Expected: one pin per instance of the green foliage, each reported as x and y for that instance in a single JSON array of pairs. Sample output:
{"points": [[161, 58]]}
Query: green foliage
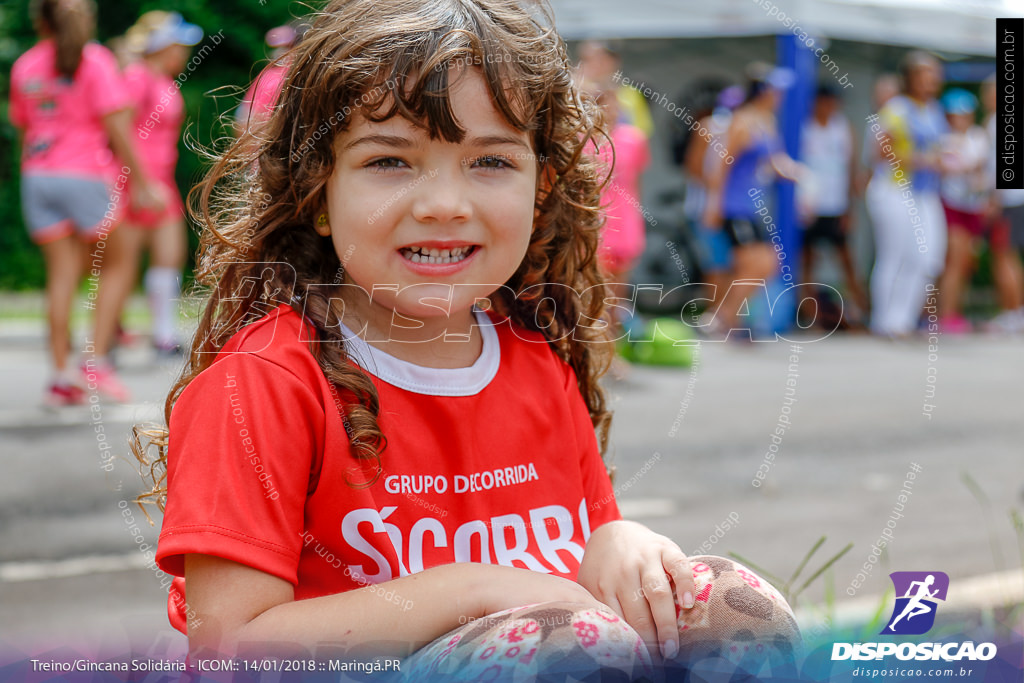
{"points": [[788, 588], [234, 63]]}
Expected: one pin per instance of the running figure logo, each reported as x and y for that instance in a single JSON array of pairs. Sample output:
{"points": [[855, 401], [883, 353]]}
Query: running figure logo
{"points": [[914, 612]]}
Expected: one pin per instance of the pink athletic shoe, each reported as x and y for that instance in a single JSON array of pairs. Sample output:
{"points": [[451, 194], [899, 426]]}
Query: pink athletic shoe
{"points": [[61, 395], [102, 379], [955, 324]]}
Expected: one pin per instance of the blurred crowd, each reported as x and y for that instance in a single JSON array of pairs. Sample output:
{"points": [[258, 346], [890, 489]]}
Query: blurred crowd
{"points": [[100, 130], [924, 165]]}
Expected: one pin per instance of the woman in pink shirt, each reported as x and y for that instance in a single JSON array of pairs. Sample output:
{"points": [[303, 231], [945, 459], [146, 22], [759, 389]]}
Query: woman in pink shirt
{"points": [[262, 95], [163, 40], [623, 236], [69, 103]]}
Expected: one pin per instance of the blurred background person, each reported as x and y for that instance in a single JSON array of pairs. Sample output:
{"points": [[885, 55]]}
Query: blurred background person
{"points": [[699, 160], [624, 233], [1007, 270], [903, 199], [754, 142], [966, 197], [887, 86], [162, 40], [261, 97], [599, 64], [827, 149], [71, 107]]}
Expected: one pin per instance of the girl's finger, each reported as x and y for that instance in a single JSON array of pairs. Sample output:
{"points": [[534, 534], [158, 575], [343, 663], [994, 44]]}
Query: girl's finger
{"points": [[658, 592], [613, 602], [637, 613], [678, 567]]}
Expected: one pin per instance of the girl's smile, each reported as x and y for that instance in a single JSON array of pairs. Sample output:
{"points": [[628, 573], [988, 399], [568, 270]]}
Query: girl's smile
{"points": [[438, 258]]}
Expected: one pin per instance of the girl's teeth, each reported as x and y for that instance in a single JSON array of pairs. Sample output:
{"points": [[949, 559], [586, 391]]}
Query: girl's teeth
{"points": [[423, 255]]}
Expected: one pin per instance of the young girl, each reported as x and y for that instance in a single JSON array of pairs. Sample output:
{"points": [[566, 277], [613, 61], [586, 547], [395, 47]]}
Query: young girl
{"points": [[162, 40], [405, 444]]}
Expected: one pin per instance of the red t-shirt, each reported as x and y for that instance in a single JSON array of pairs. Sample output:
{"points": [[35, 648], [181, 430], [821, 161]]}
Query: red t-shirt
{"points": [[494, 463]]}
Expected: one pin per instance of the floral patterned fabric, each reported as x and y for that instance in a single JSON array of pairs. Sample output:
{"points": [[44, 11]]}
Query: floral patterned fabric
{"points": [[739, 621]]}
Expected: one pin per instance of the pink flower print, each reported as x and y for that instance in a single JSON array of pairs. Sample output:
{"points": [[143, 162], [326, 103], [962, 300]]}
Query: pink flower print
{"points": [[749, 578], [587, 633]]}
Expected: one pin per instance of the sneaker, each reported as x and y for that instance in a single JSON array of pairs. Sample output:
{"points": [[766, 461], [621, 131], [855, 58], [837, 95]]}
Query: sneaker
{"points": [[171, 349], [1007, 322], [61, 395], [709, 327], [124, 338], [103, 380], [954, 324]]}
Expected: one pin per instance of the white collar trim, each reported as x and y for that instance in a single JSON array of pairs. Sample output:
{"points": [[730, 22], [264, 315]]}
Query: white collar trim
{"points": [[467, 381]]}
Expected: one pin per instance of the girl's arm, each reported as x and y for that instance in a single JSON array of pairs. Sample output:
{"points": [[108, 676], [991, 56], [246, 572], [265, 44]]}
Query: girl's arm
{"points": [[787, 167], [118, 126], [240, 609], [694, 161]]}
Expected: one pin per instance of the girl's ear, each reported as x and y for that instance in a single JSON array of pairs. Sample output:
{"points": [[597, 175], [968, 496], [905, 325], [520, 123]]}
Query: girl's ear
{"points": [[323, 225]]}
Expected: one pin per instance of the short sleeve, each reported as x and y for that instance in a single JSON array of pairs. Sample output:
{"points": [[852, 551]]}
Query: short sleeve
{"points": [[597, 486], [18, 108], [244, 436], [107, 88]]}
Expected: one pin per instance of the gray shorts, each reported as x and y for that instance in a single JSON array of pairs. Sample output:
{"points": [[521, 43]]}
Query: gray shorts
{"points": [[59, 206]]}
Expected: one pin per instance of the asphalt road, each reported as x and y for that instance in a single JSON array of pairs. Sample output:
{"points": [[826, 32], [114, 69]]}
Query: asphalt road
{"points": [[687, 446]]}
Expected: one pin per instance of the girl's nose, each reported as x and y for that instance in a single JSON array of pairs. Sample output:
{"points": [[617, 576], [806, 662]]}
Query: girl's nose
{"points": [[441, 197]]}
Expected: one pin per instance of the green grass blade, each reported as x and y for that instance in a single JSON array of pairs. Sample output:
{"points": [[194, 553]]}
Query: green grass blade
{"points": [[807, 558], [815, 575]]}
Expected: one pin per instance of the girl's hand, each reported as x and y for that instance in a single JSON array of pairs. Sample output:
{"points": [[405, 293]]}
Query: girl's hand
{"points": [[147, 196], [632, 570], [508, 587]]}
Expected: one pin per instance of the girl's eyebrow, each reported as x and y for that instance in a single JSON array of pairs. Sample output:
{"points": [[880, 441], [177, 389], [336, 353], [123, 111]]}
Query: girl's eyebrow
{"points": [[380, 139], [489, 140], [405, 143]]}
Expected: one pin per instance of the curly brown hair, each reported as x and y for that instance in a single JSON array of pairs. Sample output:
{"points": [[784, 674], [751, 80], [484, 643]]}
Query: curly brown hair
{"points": [[385, 58]]}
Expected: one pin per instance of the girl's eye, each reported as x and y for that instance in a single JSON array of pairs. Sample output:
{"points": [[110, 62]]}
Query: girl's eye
{"points": [[492, 161], [385, 163]]}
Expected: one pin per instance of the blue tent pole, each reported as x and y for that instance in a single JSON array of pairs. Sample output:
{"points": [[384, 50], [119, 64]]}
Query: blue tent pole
{"points": [[796, 104]]}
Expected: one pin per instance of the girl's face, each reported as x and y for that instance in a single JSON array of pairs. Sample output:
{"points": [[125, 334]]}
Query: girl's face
{"points": [[430, 226]]}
